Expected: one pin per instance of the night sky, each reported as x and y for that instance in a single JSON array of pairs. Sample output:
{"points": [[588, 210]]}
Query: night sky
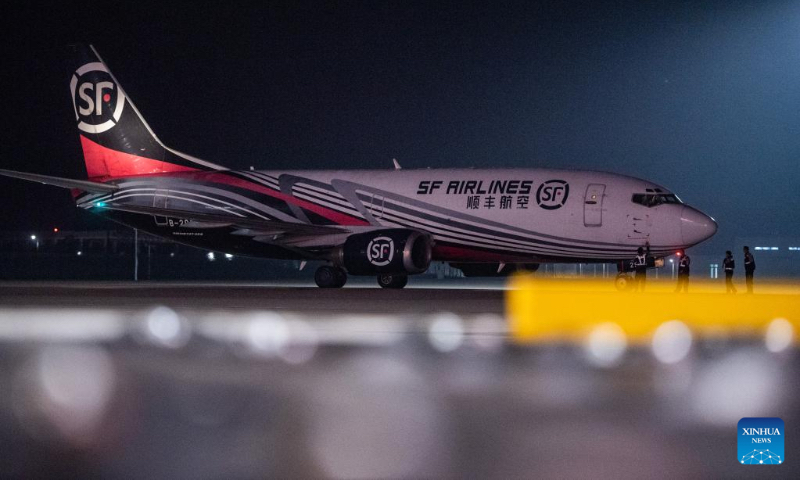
{"points": [[702, 97]]}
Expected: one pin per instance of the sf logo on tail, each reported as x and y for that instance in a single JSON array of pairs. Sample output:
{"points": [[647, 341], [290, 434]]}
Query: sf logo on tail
{"points": [[96, 98], [380, 251]]}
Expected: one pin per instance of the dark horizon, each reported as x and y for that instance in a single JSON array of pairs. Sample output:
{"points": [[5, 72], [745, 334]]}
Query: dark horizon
{"points": [[699, 97]]}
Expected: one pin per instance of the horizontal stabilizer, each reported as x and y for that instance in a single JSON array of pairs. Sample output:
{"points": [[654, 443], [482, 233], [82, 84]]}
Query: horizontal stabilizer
{"points": [[85, 185]]}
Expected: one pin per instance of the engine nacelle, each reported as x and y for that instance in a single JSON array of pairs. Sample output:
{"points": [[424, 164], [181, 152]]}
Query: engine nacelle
{"points": [[396, 251]]}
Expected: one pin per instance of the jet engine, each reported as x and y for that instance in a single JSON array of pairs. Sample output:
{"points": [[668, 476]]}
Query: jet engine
{"points": [[395, 251]]}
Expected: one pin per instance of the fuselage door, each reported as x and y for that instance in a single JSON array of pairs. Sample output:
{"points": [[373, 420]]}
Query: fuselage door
{"points": [[593, 205], [161, 200]]}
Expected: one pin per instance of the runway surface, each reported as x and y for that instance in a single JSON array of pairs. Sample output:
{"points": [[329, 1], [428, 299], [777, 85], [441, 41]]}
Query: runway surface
{"points": [[253, 381], [463, 296]]}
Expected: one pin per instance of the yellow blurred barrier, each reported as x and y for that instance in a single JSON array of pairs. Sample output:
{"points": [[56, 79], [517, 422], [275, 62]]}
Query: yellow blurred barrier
{"points": [[541, 310]]}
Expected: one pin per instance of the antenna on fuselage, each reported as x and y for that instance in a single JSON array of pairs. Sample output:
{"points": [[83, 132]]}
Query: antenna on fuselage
{"points": [[396, 165]]}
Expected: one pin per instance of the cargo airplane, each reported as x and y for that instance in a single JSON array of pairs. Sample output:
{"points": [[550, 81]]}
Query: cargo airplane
{"points": [[386, 223]]}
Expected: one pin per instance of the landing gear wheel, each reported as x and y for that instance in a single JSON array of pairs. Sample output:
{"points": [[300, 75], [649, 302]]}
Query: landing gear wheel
{"points": [[330, 277], [341, 277], [623, 282], [392, 281]]}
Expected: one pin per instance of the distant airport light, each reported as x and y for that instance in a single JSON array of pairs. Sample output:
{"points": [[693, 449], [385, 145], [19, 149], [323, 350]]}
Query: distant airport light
{"points": [[80, 253], [794, 249], [768, 248], [55, 230], [210, 256], [678, 254], [100, 204], [228, 256], [33, 237]]}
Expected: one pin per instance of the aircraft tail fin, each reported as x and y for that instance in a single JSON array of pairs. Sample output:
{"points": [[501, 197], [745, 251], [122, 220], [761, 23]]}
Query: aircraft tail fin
{"points": [[116, 140]]}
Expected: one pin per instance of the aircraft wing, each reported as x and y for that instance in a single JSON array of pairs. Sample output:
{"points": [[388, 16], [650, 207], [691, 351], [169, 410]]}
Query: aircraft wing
{"points": [[255, 225], [85, 185]]}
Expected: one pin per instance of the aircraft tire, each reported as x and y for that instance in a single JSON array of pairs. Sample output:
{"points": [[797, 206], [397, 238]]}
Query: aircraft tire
{"points": [[623, 282], [329, 277], [392, 281], [341, 277]]}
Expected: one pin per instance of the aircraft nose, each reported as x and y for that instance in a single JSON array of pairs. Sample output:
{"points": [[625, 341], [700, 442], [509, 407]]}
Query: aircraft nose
{"points": [[696, 226]]}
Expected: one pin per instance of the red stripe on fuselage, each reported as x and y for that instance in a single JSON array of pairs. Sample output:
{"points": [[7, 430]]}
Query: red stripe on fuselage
{"points": [[103, 163], [336, 217]]}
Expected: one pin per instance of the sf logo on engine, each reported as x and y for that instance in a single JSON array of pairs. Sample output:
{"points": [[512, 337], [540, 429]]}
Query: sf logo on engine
{"points": [[552, 194], [380, 251], [97, 99]]}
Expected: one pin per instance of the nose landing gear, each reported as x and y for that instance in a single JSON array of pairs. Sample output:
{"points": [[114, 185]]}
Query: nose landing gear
{"points": [[623, 282]]}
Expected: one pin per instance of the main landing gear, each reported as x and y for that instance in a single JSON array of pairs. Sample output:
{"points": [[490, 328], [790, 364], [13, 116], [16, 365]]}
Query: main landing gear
{"points": [[327, 276], [392, 281]]}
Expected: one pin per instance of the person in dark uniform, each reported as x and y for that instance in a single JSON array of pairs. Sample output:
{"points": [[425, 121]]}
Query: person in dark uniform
{"points": [[640, 267], [683, 272], [749, 268], [728, 265]]}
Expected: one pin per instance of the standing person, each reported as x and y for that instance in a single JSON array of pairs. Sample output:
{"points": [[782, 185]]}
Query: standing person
{"points": [[729, 264], [749, 268], [640, 267], [683, 272]]}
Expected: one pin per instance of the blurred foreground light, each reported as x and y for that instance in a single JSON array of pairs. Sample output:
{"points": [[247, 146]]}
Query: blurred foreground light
{"points": [[166, 328], [302, 345], [68, 388], [488, 332], [672, 342], [267, 334], [606, 345], [780, 335], [60, 325], [446, 332]]}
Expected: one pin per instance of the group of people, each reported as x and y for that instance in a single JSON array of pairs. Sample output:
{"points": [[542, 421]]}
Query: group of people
{"points": [[684, 264], [749, 267]]}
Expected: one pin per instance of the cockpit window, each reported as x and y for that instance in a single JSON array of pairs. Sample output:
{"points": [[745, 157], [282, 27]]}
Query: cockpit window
{"points": [[654, 199]]}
